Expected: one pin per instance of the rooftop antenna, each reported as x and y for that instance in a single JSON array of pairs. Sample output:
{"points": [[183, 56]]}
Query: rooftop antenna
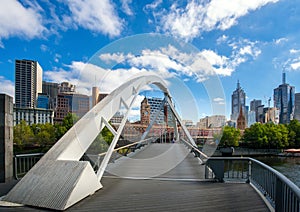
{"points": [[283, 76], [238, 84]]}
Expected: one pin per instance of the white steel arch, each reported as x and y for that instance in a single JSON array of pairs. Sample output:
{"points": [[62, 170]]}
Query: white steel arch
{"points": [[59, 179]]}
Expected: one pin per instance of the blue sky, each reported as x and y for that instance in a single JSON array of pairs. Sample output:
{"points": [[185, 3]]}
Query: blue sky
{"points": [[251, 41]]}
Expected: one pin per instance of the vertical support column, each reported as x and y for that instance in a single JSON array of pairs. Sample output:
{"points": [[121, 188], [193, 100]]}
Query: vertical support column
{"points": [[279, 200], [6, 138]]}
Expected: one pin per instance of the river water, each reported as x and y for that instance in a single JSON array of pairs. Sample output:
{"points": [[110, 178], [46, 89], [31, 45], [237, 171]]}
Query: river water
{"points": [[288, 166]]}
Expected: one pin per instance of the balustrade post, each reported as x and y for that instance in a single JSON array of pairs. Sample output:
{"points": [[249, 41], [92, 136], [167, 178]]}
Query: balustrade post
{"points": [[279, 197], [249, 171]]}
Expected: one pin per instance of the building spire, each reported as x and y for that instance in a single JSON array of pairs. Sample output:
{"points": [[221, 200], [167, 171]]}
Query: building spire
{"points": [[238, 84], [283, 76]]}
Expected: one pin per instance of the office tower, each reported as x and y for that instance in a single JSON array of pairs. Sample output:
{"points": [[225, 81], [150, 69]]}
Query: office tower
{"points": [[51, 89], [165, 115], [6, 138], [78, 104], [238, 100], [284, 100], [297, 107], [43, 101], [28, 83], [254, 104]]}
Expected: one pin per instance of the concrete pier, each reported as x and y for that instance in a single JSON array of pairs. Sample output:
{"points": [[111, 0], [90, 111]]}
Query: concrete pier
{"points": [[6, 138]]}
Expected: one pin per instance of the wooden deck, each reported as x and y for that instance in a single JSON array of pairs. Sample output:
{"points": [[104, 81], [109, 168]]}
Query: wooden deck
{"points": [[153, 185]]}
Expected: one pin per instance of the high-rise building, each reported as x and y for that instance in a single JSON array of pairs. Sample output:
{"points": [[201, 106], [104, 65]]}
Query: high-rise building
{"points": [[43, 101], [251, 118], [254, 104], [297, 107], [238, 100], [165, 115], [78, 104], [51, 89], [28, 83], [284, 100]]}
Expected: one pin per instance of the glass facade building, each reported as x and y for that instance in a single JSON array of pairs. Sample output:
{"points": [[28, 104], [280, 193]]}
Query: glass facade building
{"points": [[284, 101]]}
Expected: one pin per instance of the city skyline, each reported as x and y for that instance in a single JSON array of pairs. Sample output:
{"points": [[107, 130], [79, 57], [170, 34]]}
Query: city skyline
{"points": [[241, 42]]}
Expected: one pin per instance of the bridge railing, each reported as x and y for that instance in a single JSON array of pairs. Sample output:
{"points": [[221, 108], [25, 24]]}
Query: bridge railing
{"points": [[24, 162], [96, 160], [282, 194]]}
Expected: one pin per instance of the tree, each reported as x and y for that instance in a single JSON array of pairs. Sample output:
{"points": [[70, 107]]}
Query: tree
{"points": [[294, 134], [67, 123], [70, 120], [255, 136], [277, 135], [230, 137], [23, 134]]}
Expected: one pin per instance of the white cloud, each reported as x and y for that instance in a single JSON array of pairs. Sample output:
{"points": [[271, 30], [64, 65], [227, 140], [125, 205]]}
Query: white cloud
{"points": [[218, 99], [18, 20], [125, 6], [7, 87], [222, 39], [96, 15], [153, 5], [295, 66], [57, 57], [169, 61], [115, 57], [85, 76], [280, 41], [200, 16], [44, 48], [294, 51]]}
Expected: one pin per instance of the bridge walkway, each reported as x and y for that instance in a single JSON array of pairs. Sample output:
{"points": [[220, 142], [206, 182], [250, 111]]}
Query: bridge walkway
{"points": [[164, 177]]}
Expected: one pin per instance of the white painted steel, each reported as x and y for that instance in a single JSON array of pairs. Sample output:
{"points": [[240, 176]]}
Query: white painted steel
{"points": [[59, 179], [111, 148]]}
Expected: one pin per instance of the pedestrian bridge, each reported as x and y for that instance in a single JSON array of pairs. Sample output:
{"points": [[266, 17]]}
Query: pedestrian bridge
{"points": [[155, 177], [164, 177]]}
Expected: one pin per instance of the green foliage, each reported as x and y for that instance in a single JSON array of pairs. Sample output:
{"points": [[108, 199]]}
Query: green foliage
{"points": [[230, 137], [41, 136], [23, 134], [294, 134], [271, 136], [70, 120], [44, 136]]}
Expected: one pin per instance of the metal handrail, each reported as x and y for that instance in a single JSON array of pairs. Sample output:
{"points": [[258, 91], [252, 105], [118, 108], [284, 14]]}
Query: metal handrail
{"points": [[195, 149], [24, 162], [126, 146], [284, 194], [281, 193]]}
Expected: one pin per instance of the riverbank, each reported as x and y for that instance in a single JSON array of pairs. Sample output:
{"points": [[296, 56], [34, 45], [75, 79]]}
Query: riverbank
{"points": [[246, 152]]}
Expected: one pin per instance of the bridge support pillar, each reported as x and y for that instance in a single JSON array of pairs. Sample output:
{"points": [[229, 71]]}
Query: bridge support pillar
{"points": [[6, 138], [217, 167], [55, 184]]}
